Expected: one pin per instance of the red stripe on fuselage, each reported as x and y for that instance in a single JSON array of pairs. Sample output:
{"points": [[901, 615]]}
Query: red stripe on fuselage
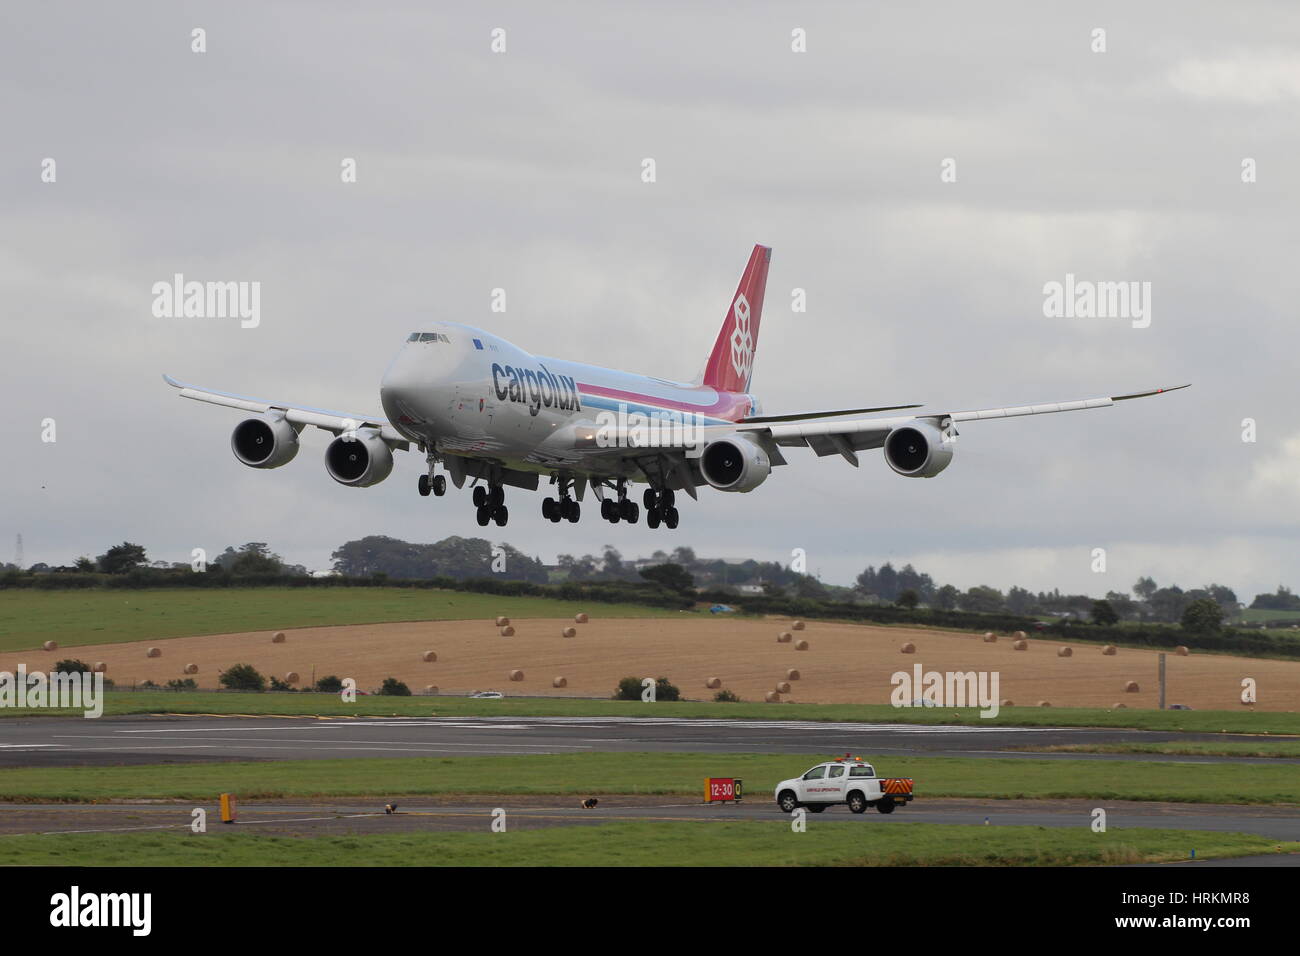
{"points": [[729, 406]]}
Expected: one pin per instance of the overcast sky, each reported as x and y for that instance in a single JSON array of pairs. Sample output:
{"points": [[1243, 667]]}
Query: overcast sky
{"points": [[522, 170]]}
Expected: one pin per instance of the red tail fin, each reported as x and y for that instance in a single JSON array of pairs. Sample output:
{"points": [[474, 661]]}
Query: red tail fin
{"points": [[731, 363]]}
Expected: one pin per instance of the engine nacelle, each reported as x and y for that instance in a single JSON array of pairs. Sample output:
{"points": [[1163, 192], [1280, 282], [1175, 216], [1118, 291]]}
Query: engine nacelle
{"points": [[264, 442], [917, 450], [734, 464], [358, 461]]}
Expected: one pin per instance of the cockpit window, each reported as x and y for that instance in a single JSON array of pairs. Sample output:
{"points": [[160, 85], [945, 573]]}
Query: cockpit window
{"points": [[428, 337]]}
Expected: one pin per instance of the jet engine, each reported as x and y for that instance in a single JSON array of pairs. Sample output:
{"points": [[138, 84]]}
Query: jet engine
{"points": [[358, 460], [734, 464], [264, 442], [917, 450]]}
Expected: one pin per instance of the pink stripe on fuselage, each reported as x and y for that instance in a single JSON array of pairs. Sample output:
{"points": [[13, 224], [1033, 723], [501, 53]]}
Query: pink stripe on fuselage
{"points": [[729, 406]]}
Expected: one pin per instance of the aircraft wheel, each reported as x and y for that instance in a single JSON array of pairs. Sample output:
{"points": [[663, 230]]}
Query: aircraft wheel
{"points": [[484, 515], [667, 499], [439, 485], [670, 519], [480, 497], [497, 497], [649, 498], [607, 510], [575, 512], [652, 517], [548, 508], [502, 515], [423, 486]]}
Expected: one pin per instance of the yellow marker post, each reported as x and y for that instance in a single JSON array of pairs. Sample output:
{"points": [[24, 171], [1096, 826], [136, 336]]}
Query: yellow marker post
{"points": [[228, 813]]}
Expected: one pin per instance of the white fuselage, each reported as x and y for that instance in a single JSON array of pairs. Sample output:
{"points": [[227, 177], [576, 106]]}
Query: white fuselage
{"points": [[460, 391]]}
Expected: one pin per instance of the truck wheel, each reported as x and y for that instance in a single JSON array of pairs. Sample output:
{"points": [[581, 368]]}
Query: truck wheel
{"points": [[885, 805], [787, 801], [857, 802]]}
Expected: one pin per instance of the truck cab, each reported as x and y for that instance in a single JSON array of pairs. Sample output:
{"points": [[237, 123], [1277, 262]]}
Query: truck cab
{"points": [[845, 780]]}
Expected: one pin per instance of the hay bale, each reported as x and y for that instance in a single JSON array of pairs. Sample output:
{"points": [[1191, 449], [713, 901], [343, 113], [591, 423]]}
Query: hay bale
{"points": [[1131, 687], [153, 652], [782, 687], [772, 697], [1109, 650], [797, 626], [516, 675], [1008, 702], [277, 637], [801, 645], [191, 668], [713, 683], [570, 632], [507, 631], [429, 656], [1044, 703], [431, 688], [785, 637], [907, 648], [51, 645], [990, 638], [291, 677], [1119, 705], [792, 674], [502, 621], [1181, 651], [1020, 635], [1021, 645], [559, 682], [100, 667], [581, 618], [1064, 652]]}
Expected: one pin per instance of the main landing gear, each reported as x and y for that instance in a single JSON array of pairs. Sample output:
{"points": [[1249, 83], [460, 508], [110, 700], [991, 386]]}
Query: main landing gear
{"points": [[659, 508], [491, 505], [620, 510], [563, 509], [437, 484]]}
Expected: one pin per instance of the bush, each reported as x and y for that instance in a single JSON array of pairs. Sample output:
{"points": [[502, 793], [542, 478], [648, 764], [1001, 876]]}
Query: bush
{"points": [[279, 685], [330, 684], [187, 684], [70, 666], [629, 688], [242, 677], [725, 697], [148, 685], [392, 687]]}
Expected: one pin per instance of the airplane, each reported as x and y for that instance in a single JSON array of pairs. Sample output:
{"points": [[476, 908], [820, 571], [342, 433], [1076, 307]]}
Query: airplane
{"points": [[495, 415]]}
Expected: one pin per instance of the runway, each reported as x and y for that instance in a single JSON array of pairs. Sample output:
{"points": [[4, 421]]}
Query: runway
{"points": [[56, 742]]}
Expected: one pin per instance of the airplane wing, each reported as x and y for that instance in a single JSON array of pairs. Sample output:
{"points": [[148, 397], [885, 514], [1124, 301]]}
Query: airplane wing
{"points": [[336, 422], [845, 436]]}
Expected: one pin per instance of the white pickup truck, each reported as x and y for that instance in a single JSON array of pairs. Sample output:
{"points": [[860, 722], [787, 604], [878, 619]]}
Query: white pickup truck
{"points": [[847, 780]]}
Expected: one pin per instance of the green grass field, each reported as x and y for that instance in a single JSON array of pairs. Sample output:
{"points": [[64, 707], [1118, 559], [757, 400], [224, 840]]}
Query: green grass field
{"points": [[1231, 748], [30, 617], [652, 773], [853, 843], [121, 703]]}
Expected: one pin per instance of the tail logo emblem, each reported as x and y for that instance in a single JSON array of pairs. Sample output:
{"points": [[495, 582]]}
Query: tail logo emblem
{"points": [[742, 340]]}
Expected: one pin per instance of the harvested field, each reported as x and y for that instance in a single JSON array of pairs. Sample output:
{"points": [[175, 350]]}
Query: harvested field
{"points": [[845, 663]]}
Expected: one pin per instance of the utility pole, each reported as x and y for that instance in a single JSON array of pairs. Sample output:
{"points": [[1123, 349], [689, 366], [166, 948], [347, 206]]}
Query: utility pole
{"points": [[1162, 681]]}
